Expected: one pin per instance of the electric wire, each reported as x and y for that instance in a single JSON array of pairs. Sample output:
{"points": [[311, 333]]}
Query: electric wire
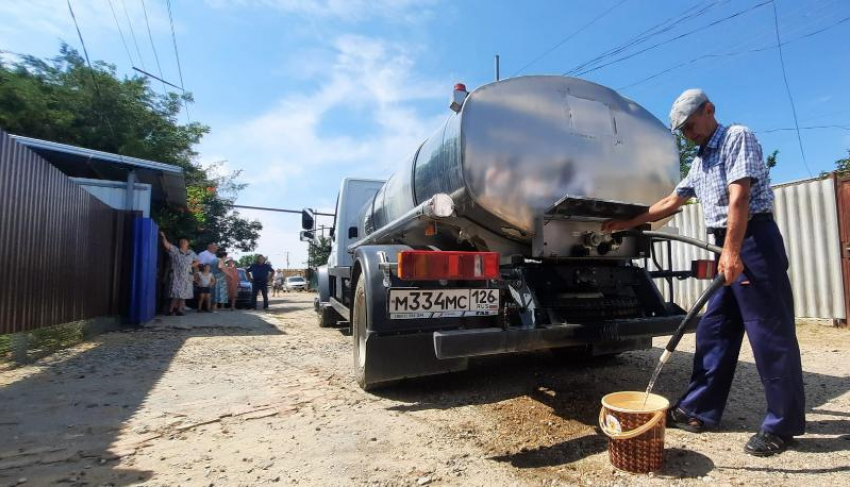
{"points": [[787, 87], [102, 113], [676, 38], [643, 36], [662, 27], [133, 34], [767, 36], [568, 37], [150, 75], [153, 47], [121, 33], [727, 54], [813, 127], [177, 56]]}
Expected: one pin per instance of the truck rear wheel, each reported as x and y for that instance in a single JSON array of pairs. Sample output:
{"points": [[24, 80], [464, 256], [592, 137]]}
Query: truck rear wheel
{"points": [[359, 321]]}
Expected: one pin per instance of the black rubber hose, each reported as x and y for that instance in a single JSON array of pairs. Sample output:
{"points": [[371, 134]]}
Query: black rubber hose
{"points": [[679, 238], [693, 313]]}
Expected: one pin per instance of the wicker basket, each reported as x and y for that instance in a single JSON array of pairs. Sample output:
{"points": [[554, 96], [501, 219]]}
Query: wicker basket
{"points": [[635, 430]]}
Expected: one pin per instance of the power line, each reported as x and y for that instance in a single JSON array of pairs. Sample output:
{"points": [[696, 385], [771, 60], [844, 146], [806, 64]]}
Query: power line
{"points": [[121, 33], [727, 54], [568, 37], [787, 87], [155, 77], [153, 47], [660, 28], [678, 37], [177, 55], [813, 127], [766, 34], [133, 34], [93, 77]]}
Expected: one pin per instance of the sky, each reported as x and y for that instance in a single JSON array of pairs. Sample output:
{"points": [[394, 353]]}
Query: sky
{"points": [[299, 94]]}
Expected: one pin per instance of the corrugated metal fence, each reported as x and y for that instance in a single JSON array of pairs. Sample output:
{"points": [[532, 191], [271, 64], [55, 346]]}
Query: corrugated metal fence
{"points": [[807, 215], [62, 251]]}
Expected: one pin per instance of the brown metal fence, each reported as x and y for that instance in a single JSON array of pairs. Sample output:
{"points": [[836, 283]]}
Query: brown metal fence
{"points": [[63, 253]]}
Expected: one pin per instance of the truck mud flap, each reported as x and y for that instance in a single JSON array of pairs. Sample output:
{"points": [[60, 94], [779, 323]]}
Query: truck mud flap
{"points": [[455, 344], [396, 357]]}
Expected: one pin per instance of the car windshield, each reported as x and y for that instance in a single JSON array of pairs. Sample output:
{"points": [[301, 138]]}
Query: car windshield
{"points": [[243, 276], [294, 279]]}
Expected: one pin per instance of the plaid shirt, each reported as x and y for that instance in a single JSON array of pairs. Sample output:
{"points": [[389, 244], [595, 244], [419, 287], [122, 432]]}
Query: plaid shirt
{"points": [[731, 154]]}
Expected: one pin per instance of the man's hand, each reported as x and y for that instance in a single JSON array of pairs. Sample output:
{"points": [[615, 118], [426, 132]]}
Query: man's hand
{"points": [[730, 265], [611, 226]]}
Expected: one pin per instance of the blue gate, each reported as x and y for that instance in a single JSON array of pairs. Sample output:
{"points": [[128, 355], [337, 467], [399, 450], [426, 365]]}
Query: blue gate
{"points": [[143, 280]]}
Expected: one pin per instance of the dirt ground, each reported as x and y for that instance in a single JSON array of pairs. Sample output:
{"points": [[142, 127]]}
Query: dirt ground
{"points": [[252, 398]]}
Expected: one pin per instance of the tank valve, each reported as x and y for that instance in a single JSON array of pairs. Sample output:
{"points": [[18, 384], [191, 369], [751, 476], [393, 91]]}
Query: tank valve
{"points": [[601, 243], [593, 239]]}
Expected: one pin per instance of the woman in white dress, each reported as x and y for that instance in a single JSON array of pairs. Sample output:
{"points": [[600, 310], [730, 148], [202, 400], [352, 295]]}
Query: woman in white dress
{"points": [[183, 262]]}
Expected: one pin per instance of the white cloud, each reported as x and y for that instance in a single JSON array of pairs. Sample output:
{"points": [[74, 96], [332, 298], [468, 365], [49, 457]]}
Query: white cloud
{"points": [[287, 144], [345, 10], [368, 76]]}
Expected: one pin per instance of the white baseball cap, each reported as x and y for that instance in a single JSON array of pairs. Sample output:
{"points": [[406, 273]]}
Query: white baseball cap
{"points": [[685, 106]]}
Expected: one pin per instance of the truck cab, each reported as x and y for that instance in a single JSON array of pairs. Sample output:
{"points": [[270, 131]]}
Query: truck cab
{"points": [[334, 277]]}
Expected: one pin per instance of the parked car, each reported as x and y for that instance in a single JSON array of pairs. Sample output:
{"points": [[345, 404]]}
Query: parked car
{"points": [[294, 283], [243, 292]]}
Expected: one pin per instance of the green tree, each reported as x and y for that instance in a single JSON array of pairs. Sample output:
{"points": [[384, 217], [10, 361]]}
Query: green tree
{"points": [[687, 152], [771, 160], [63, 100], [246, 260], [318, 252], [843, 164]]}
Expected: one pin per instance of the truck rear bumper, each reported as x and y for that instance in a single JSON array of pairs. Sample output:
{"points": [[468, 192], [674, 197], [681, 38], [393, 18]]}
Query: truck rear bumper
{"points": [[489, 341]]}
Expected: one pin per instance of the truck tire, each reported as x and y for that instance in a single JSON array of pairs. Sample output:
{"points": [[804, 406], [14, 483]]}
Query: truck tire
{"points": [[328, 317], [359, 322]]}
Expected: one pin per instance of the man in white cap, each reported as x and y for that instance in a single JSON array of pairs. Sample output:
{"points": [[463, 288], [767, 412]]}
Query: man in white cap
{"points": [[729, 178]]}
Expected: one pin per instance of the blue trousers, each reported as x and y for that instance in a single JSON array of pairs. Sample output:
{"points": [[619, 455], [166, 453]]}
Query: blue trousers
{"points": [[764, 308], [263, 287]]}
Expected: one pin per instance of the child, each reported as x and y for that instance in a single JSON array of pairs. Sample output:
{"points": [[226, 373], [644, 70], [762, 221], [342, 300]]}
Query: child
{"points": [[205, 281]]}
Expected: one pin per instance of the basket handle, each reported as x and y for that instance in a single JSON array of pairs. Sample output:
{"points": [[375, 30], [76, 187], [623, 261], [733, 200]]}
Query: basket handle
{"points": [[625, 435]]}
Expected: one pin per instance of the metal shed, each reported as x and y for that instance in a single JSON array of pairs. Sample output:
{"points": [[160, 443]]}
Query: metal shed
{"points": [[166, 180]]}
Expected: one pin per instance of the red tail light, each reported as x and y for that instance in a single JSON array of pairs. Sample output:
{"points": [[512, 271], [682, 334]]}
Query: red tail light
{"points": [[433, 265], [704, 269]]}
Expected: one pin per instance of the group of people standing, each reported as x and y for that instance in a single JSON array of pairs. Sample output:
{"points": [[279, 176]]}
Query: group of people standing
{"points": [[214, 273], [225, 278]]}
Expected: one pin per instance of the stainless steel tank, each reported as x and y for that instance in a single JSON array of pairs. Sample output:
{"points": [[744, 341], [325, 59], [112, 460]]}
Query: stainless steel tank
{"points": [[519, 145]]}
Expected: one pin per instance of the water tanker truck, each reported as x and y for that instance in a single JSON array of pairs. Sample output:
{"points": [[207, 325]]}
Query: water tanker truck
{"points": [[487, 240]]}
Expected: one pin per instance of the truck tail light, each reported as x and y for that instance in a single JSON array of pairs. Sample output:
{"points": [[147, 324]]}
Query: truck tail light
{"points": [[704, 269], [433, 265]]}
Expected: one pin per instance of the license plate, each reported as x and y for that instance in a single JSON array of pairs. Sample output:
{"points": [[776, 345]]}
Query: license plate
{"points": [[407, 304]]}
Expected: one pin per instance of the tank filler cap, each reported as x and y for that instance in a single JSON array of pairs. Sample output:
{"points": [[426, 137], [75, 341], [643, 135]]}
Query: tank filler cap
{"points": [[458, 96]]}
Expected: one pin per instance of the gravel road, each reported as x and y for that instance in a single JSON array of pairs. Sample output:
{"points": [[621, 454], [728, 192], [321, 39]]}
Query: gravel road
{"points": [[253, 398]]}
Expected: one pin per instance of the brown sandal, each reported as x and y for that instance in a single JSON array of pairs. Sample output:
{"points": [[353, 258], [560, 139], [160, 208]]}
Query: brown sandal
{"points": [[677, 418]]}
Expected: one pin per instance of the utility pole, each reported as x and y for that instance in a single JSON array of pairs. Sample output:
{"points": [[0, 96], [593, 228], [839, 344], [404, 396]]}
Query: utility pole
{"points": [[497, 67]]}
